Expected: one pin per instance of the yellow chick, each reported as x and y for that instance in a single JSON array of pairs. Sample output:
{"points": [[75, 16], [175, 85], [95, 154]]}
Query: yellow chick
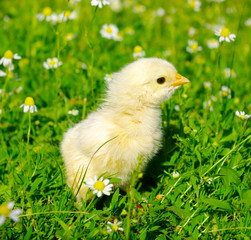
{"points": [[127, 125]]}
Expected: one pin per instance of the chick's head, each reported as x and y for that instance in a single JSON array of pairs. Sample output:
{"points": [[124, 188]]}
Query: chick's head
{"points": [[147, 81]]}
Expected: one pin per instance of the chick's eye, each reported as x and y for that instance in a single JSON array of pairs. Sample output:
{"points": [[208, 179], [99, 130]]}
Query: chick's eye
{"points": [[161, 80]]}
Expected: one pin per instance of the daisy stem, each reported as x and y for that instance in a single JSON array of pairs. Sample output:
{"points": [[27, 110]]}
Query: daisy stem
{"points": [[218, 62], [29, 129], [57, 70], [90, 204]]}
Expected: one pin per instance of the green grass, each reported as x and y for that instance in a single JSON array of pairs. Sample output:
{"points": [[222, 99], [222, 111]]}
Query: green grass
{"points": [[210, 149]]}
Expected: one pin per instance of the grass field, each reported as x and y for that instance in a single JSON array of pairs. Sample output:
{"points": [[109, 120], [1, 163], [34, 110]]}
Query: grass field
{"points": [[198, 185]]}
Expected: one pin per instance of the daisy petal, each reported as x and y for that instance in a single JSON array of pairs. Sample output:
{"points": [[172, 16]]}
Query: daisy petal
{"points": [[10, 205], [106, 193], [2, 220], [14, 215], [16, 56], [106, 181], [26, 108]]}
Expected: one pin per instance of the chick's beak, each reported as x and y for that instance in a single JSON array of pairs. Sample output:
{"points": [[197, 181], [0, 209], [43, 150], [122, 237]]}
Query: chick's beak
{"points": [[180, 80]]}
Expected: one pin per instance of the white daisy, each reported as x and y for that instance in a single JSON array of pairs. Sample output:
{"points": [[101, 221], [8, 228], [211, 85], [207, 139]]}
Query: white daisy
{"points": [[67, 15], [69, 36], [213, 43], [118, 37], [242, 115], [206, 180], [248, 22], [53, 18], [108, 77], [138, 52], [167, 53], [213, 98], [175, 174], [194, 4], [100, 186], [193, 46], [46, 12], [177, 108], [73, 2], [7, 59], [191, 31], [225, 35], [160, 12], [17, 90], [73, 112], [229, 73], [99, 3], [208, 104], [83, 66], [52, 63], [6, 18], [1, 111], [109, 31], [114, 226], [29, 105], [2, 73], [5, 212], [139, 8], [207, 85], [225, 92], [168, 19], [116, 5]]}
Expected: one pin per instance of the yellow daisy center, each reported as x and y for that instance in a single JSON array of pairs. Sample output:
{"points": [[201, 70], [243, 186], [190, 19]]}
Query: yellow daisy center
{"points": [[115, 228], [109, 75], [70, 35], [9, 54], [99, 185], [67, 14], [225, 32], [225, 93], [52, 62], [242, 116], [137, 49], [192, 4], [129, 30], [47, 11], [10, 75], [29, 101], [109, 30], [194, 46], [4, 210]]}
